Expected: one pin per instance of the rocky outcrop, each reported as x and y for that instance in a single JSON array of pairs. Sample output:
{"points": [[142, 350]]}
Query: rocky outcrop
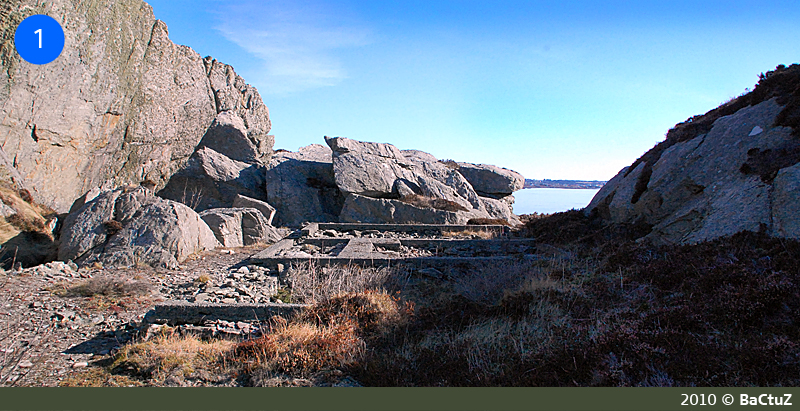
{"points": [[358, 208], [381, 171], [739, 172], [491, 181], [126, 227], [236, 227], [339, 183], [302, 188], [228, 134], [213, 180], [122, 104]]}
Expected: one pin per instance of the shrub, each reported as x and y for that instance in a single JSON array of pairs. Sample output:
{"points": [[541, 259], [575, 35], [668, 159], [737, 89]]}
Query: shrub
{"points": [[107, 286], [112, 227], [450, 164]]}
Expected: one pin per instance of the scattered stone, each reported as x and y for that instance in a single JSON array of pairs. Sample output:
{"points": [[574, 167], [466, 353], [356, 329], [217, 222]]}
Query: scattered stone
{"points": [[25, 364], [80, 364]]}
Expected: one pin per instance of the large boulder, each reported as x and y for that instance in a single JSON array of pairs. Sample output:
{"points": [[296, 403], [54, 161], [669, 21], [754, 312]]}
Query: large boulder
{"points": [[491, 181], [213, 180], [363, 209], [266, 210], [229, 135], [382, 171], [122, 104], [126, 227], [302, 188], [368, 169], [733, 169], [237, 227]]}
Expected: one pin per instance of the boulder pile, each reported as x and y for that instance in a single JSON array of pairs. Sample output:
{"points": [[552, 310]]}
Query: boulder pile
{"points": [[354, 181]]}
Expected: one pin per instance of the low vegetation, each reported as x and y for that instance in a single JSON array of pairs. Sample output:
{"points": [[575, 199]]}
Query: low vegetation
{"points": [[596, 309], [24, 233]]}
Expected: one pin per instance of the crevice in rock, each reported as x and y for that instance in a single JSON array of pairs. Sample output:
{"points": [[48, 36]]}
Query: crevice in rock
{"points": [[767, 163], [642, 183]]}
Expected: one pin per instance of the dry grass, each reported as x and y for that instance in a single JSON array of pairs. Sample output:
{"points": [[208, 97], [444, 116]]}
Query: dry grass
{"points": [[470, 233], [99, 377], [106, 286], [331, 336], [170, 359], [488, 221], [299, 349], [311, 283]]}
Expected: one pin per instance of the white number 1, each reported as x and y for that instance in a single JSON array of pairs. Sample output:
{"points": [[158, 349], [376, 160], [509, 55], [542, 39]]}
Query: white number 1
{"points": [[39, 32]]}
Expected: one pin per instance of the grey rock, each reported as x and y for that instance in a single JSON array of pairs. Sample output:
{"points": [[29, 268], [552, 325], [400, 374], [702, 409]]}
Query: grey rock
{"points": [[500, 209], [145, 229], [368, 169], [267, 210], [236, 227], [363, 209], [489, 180], [301, 186], [229, 135], [786, 207], [213, 180], [120, 105], [381, 170], [697, 191]]}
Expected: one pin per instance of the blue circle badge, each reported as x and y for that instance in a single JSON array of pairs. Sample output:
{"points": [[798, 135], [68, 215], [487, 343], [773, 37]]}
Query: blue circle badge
{"points": [[39, 39]]}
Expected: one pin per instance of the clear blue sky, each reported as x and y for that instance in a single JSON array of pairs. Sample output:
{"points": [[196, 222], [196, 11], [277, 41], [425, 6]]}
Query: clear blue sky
{"points": [[552, 89]]}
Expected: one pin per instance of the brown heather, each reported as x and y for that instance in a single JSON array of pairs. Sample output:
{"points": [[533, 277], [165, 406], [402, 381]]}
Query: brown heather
{"points": [[597, 309]]}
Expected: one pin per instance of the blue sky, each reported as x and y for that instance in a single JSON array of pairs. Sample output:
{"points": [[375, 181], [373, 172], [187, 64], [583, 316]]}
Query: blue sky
{"points": [[552, 89]]}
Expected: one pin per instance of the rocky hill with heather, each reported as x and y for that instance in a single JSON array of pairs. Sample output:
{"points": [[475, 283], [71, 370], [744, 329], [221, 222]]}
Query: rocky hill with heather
{"points": [[735, 168]]}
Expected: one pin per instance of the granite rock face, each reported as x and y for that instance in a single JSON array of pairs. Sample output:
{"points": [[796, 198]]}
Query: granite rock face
{"points": [[212, 180], [125, 227], [122, 104], [301, 186], [362, 209], [381, 171], [740, 175], [229, 135]]}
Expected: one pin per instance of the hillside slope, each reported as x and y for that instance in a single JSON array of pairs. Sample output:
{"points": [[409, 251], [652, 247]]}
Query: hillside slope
{"points": [[735, 168]]}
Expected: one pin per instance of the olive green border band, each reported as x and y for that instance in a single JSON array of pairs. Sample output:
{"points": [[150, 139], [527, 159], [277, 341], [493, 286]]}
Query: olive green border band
{"points": [[395, 399]]}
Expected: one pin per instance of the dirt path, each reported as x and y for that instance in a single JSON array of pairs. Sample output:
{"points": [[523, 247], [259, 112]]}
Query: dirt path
{"points": [[50, 330]]}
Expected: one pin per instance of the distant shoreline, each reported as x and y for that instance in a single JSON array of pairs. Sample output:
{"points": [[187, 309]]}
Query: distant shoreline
{"points": [[569, 184]]}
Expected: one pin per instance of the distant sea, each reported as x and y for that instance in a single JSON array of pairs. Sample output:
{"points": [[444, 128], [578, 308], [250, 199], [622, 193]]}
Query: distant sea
{"points": [[551, 200]]}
